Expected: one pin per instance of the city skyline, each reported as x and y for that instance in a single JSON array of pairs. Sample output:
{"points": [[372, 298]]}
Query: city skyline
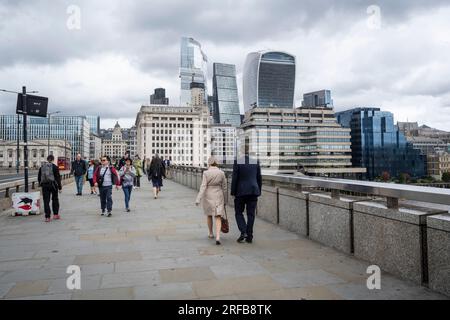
{"points": [[113, 72]]}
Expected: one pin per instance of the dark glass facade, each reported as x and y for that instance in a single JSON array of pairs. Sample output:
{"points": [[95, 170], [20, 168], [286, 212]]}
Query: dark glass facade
{"points": [[379, 146], [193, 63], [159, 97], [226, 99], [94, 124], [276, 80], [269, 80], [317, 99]]}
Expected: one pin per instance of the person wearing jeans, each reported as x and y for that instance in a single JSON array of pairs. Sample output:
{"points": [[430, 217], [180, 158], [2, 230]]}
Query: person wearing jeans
{"points": [[127, 174], [79, 169], [105, 177], [246, 187]]}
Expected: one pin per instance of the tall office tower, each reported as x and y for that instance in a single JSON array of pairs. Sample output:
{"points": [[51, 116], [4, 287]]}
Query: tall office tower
{"points": [[159, 97], [226, 99], [197, 94], [73, 129], [211, 105], [378, 145], [94, 123], [317, 99], [269, 80], [193, 64]]}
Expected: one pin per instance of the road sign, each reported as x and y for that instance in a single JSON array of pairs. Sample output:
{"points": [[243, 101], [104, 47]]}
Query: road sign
{"points": [[36, 105]]}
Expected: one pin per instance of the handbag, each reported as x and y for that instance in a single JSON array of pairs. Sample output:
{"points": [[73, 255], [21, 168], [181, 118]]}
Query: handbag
{"points": [[102, 177], [225, 225]]}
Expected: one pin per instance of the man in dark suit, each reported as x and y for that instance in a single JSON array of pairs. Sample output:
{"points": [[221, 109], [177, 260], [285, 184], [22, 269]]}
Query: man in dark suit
{"points": [[246, 188]]}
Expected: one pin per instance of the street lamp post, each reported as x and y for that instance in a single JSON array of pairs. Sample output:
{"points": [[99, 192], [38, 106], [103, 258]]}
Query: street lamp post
{"points": [[25, 138], [18, 145]]}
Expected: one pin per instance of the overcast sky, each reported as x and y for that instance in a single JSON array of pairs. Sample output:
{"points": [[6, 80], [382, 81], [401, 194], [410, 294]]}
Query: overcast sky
{"points": [[396, 58]]}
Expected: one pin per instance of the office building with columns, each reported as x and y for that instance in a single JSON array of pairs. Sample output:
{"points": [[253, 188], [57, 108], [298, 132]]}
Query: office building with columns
{"points": [[180, 134]]}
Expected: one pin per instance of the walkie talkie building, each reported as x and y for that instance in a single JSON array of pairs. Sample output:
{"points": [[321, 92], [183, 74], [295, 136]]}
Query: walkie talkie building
{"points": [[269, 80]]}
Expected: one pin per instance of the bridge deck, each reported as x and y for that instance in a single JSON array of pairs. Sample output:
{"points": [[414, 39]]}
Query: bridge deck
{"points": [[161, 251]]}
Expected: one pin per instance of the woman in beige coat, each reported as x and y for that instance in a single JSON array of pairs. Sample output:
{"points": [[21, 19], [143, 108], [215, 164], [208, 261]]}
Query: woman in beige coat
{"points": [[212, 194]]}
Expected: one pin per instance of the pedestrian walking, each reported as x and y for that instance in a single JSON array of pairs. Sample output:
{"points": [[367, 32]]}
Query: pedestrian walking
{"points": [[156, 173], [50, 181], [137, 163], [122, 160], [212, 195], [246, 188], [90, 176], [167, 167], [105, 177], [127, 174], [79, 170]]}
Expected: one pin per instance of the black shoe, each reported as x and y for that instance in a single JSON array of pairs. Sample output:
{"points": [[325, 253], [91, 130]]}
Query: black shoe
{"points": [[109, 214], [249, 240], [103, 213], [218, 243], [241, 238], [128, 210]]}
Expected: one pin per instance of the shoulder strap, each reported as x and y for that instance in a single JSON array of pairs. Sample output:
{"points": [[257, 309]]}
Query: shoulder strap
{"points": [[103, 176]]}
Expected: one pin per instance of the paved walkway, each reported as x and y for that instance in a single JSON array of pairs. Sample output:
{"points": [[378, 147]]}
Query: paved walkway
{"points": [[161, 251]]}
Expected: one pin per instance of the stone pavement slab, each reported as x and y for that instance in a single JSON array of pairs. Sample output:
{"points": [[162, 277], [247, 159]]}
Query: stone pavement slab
{"points": [[161, 251]]}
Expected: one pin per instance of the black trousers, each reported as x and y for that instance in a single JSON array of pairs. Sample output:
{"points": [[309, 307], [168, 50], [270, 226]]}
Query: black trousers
{"points": [[240, 204], [47, 193], [137, 181]]}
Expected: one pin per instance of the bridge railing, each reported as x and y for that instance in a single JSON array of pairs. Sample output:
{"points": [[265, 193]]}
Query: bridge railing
{"points": [[403, 229], [8, 188]]}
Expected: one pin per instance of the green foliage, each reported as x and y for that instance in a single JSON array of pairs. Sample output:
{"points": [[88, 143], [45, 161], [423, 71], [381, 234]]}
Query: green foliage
{"points": [[446, 177]]}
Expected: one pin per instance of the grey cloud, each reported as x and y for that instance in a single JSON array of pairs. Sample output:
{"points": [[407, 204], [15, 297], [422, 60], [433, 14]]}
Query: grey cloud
{"points": [[147, 33]]}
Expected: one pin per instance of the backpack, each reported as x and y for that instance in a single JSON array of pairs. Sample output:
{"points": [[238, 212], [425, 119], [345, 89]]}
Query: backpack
{"points": [[47, 175]]}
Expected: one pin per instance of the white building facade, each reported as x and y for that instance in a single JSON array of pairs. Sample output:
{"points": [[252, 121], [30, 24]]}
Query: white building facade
{"points": [[116, 146], [180, 134], [37, 152]]}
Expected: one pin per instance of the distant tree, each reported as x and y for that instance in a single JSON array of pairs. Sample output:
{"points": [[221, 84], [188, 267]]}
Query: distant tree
{"points": [[446, 177], [404, 178], [385, 176]]}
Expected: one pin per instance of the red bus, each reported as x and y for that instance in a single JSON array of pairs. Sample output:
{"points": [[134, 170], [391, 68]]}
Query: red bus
{"points": [[63, 163]]}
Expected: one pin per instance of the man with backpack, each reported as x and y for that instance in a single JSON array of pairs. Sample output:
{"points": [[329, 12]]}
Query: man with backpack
{"points": [[50, 181]]}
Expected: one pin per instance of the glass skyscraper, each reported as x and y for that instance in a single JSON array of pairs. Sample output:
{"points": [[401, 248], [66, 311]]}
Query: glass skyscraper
{"points": [[74, 129], [94, 123], [379, 146], [159, 97], [317, 99], [193, 68], [226, 99], [269, 80]]}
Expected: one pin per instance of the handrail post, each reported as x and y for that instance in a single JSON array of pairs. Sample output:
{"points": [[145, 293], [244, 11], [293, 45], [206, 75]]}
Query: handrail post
{"points": [[335, 194], [392, 203]]}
